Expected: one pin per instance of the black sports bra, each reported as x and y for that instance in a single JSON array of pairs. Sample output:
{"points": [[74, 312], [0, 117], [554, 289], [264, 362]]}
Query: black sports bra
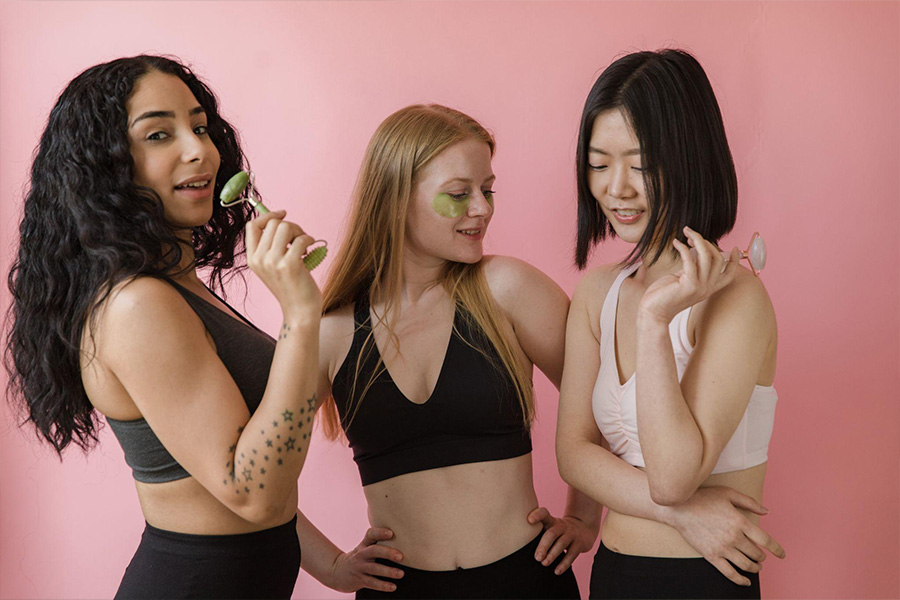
{"points": [[247, 354], [473, 414]]}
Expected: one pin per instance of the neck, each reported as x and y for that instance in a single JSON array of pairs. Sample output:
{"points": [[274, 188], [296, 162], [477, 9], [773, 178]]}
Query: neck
{"points": [[185, 270], [667, 264], [419, 277]]}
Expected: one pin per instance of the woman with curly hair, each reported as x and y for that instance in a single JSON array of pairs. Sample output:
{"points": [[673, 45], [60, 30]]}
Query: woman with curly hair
{"points": [[109, 317]]}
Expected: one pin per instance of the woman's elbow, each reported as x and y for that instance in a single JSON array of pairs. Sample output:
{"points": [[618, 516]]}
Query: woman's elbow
{"points": [[566, 461], [265, 512], [668, 493]]}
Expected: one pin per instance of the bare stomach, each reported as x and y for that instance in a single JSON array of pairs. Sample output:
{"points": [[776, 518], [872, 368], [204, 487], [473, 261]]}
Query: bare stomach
{"points": [[460, 516], [642, 537], [186, 506]]}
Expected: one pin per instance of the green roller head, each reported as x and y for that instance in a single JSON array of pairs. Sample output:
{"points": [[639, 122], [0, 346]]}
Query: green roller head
{"points": [[315, 257], [233, 189]]}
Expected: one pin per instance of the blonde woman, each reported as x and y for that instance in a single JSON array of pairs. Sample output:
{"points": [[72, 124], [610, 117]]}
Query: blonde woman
{"points": [[427, 351]]}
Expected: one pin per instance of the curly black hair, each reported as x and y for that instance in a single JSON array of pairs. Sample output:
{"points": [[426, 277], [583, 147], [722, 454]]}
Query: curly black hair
{"points": [[87, 227]]}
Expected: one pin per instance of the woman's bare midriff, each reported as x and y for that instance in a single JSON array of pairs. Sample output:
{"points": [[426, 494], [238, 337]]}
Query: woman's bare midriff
{"points": [[642, 537], [461, 516], [186, 506]]}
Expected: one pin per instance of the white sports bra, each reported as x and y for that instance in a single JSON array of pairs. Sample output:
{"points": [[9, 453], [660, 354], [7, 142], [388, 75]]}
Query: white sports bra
{"points": [[615, 404]]}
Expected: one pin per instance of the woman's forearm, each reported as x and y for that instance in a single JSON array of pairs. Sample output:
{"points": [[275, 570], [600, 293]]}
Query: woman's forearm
{"points": [[610, 481], [271, 449], [318, 552], [671, 441]]}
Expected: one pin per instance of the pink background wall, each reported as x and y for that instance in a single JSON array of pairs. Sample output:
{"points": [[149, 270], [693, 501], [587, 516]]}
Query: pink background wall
{"points": [[811, 98]]}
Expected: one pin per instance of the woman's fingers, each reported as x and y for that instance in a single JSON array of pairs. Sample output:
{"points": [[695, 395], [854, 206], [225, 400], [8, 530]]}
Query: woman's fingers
{"points": [[704, 256], [688, 260], [374, 583], [375, 535], [540, 515], [751, 551], [285, 233], [545, 544], [562, 542], [711, 261], [566, 562], [254, 229], [380, 570], [728, 571], [370, 553], [298, 247], [764, 540], [746, 502], [741, 561], [269, 238]]}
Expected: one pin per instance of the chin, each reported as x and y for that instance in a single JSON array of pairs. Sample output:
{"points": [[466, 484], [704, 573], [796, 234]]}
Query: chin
{"points": [[469, 258]]}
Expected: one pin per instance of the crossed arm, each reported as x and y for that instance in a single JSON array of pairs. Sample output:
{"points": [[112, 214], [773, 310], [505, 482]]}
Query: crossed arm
{"points": [[708, 518]]}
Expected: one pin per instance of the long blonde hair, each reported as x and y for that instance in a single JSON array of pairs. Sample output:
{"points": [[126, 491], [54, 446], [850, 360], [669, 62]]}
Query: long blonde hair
{"points": [[369, 260]]}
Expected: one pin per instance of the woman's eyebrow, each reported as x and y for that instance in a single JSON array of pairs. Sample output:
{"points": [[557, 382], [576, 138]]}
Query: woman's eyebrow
{"points": [[467, 180], [631, 152], [166, 114]]}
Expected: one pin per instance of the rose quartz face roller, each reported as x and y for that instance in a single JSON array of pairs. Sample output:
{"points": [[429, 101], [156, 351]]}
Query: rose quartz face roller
{"points": [[755, 254]]}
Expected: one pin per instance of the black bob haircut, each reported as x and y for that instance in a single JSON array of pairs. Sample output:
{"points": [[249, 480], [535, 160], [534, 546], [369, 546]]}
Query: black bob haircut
{"points": [[88, 226], [688, 171]]}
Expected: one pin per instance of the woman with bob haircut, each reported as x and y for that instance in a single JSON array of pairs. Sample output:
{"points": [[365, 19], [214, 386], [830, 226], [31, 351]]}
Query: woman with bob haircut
{"points": [[667, 403], [427, 351], [109, 317]]}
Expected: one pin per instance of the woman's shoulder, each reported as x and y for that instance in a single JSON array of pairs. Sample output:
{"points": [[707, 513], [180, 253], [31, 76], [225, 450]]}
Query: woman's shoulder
{"points": [[745, 292], [143, 300], [138, 292], [336, 337], [595, 283], [744, 299], [508, 278], [338, 322]]}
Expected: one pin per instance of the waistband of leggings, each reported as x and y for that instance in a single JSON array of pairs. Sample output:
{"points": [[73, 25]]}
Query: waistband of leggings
{"points": [[657, 564], [229, 544], [526, 551]]}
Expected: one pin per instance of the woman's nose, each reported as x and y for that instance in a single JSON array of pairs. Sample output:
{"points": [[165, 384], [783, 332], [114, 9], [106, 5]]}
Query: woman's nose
{"points": [[479, 205], [620, 184], [193, 148]]}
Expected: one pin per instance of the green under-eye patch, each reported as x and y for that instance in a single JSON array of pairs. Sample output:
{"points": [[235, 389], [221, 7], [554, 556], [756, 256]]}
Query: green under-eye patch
{"points": [[448, 206]]}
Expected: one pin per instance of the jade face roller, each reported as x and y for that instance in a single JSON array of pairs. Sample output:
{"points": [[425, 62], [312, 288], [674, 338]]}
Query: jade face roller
{"points": [[234, 187], [231, 196]]}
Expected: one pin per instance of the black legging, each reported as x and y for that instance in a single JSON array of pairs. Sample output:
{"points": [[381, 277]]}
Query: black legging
{"points": [[263, 564], [518, 575], [618, 575]]}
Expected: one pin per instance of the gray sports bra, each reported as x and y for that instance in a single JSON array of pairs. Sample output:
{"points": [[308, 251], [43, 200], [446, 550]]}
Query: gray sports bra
{"points": [[247, 354]]}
